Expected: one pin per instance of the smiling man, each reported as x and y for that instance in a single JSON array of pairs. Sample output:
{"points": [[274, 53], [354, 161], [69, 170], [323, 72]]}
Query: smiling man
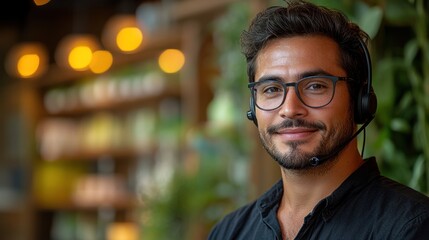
{"points": [[311, 95]]}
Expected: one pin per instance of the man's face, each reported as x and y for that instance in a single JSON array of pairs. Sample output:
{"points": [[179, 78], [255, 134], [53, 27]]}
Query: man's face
{"points": [[293, 133]]}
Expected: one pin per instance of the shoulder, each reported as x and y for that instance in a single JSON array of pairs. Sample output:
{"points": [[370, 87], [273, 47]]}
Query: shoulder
{"points": [[234, 222], [375, 207], [372, 190], [402, 208], [253, 220], [393, 193]]}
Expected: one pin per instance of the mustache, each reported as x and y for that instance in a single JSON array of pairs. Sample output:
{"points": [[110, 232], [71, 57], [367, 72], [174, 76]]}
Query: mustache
{"points": [[289, 123]]}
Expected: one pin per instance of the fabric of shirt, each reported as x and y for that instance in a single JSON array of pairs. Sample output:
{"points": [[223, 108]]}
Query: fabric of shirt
{"points": [[365, 206]]}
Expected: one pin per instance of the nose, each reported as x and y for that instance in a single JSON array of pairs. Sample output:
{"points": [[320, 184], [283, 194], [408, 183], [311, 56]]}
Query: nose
{"points": [[292, 107]]}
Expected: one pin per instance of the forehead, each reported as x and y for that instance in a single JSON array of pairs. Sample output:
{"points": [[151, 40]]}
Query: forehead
{"points": [[290, 57]]}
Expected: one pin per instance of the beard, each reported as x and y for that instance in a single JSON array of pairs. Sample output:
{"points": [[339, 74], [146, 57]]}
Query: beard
{"points": [[295, 158]]}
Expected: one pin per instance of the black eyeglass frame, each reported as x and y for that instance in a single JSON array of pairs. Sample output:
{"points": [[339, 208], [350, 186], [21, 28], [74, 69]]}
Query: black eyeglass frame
{"points": [[334, 80]]}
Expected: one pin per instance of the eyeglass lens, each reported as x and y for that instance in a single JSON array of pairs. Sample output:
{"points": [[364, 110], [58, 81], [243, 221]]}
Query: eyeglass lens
{"points": [[314, 91]]}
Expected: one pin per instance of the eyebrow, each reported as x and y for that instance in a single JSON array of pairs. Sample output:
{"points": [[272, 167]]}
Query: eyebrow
{"points": [[315, 72]]}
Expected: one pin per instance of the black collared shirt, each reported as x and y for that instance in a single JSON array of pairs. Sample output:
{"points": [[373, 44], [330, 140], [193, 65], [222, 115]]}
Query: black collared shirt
{"points": [[365, 206]]}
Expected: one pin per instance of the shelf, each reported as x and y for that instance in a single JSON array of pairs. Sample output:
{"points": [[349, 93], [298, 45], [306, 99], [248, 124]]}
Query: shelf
{"points": [[120, 205], [121, 154], [123, 105]]}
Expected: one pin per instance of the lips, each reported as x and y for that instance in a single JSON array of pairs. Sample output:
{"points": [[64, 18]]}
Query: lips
{"points": [[296, 134]]}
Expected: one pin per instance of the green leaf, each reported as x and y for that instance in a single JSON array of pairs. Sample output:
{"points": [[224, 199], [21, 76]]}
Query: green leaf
{"points": [[400, 12], [416, 80], [400, 125], [417, 174], [405, 102], [369, 18], [410, 51], [385, 89]]}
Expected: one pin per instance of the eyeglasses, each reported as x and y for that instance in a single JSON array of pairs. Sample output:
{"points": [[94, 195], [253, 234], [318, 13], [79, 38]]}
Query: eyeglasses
{"points": [[312, 91]]}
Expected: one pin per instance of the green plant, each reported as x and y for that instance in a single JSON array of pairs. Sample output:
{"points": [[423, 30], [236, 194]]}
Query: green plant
{"points": [[404, 115]]}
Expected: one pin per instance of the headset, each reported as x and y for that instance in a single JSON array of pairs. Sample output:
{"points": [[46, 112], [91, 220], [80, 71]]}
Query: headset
{"points": [[365, 104]]}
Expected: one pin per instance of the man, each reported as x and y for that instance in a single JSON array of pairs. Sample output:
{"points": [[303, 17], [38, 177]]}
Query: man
{"points": [[310, 82]]}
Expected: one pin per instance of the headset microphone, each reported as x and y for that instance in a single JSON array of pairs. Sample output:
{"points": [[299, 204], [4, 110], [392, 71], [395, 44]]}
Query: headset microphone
{"points": [[314, 161]]}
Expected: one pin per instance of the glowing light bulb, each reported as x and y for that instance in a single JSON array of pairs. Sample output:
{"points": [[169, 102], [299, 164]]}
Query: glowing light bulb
{"points": [[80, 57], [75, 51], [41, 2], [171, 60], [101, 61], [28, 65], [129, 39], [26, 60]]}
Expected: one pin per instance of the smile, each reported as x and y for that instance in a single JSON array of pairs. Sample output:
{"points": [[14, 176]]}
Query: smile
{"points": [[296, 134]]}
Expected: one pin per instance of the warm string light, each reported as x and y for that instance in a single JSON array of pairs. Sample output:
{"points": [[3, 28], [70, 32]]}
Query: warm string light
{"points": [[122, 34], [41, 2], [27, 60], [171, 60], [82, 52], [129, 39], [28, 65], [80, 57], [75, 51], [102, 60]]}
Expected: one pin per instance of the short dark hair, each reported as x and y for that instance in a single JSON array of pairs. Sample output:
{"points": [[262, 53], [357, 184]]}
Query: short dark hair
{"points": [[300, 18]]}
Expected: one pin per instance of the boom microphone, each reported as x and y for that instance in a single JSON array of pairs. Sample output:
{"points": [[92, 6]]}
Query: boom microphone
{"points": [[317, 160]]}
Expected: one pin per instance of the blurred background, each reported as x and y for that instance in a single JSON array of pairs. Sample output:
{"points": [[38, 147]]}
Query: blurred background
{"points": [[126, 119]]}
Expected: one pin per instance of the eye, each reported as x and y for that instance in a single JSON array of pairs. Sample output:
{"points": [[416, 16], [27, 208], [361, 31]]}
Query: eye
{"points": [[270, 88], [316, 84]]}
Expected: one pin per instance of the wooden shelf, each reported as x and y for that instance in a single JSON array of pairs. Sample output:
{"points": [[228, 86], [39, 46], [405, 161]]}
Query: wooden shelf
{"points": [[117, 205], [123, 105], [121, 154]]}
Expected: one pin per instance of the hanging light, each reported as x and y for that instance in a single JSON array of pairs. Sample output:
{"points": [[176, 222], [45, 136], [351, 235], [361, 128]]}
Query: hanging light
{"points": [[129, 39], [171, 60], [41, 2], [27, 60], [76, 51], [102, 60], [122, 33]]}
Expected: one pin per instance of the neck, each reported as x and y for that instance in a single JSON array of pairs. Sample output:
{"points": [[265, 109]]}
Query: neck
{"points": [[303, 190]]}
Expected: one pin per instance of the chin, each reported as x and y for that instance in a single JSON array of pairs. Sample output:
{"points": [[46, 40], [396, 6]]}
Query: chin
{"points": [[296, 156], [293, 159]]}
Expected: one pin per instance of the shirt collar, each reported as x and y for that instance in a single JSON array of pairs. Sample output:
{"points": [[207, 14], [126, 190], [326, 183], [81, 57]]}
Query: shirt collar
{"points": [[270, 200], [354, 183], [268, 205]]}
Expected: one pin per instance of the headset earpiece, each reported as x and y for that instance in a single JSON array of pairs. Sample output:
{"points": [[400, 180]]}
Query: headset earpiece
{"points": [[366, 102], [366, 105], [251, 113]]}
